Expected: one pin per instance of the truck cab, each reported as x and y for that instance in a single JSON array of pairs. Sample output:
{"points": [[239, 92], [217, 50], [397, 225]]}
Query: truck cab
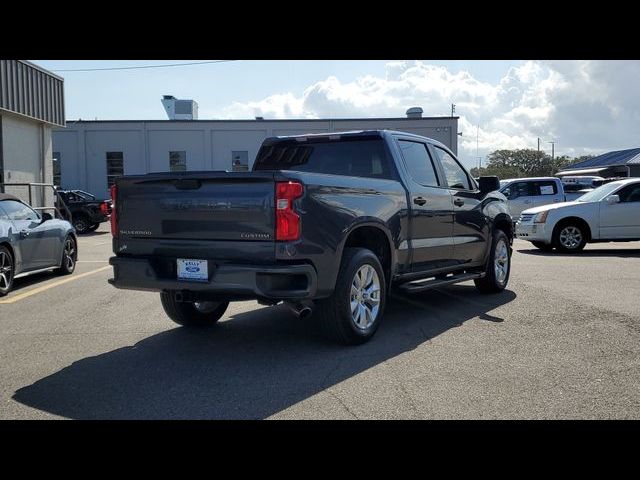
{"points": [[524, 193]]}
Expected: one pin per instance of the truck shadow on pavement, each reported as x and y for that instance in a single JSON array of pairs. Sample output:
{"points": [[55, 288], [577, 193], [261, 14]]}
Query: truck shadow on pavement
{"points": [[249, 366]]}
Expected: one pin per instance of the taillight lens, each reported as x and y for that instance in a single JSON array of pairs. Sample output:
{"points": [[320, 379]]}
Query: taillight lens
{"points": [[287, 220], [114, 216], [104, 209]]}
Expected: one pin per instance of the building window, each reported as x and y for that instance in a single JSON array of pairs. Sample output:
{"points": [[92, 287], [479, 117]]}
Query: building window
{"points": [[115, 167], [56, 169], [177, 161], [240, 161]]}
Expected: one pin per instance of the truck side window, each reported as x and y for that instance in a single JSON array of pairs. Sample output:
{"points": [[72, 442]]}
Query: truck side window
{"points": [[545, 188], [419, 163], [518, 189], [456, 176]]}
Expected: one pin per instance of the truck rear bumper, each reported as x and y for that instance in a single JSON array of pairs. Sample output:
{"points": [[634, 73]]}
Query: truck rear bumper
{"points": [[279, 282]]}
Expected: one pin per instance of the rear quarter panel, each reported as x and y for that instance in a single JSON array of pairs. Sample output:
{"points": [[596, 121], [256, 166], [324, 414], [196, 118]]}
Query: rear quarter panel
{"points": [[331, 207]]}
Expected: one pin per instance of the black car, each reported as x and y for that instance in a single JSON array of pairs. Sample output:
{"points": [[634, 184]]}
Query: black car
{"points": [[87, 212], [327, 223]]}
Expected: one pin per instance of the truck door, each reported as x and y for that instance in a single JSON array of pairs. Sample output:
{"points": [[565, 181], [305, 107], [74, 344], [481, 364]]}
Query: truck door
{"points": [[470, 226], [430, 209], [521, 197], [546, 192]]}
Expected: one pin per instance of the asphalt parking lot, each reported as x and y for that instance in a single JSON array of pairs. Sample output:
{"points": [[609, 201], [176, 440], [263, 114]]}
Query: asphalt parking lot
{"points": [[561, 342]]}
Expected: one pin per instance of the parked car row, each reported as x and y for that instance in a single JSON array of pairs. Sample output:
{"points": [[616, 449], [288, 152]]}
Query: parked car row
{"points": [[608, 213], [525, 193]]}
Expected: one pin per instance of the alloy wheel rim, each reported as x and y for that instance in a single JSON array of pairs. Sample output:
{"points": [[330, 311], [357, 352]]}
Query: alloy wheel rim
{"points": [[570, 237], [6, 268], [69, 254], [365, 297], [501, 262]]}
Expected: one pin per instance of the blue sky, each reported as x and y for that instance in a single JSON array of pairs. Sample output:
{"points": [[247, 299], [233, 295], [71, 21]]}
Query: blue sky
{"points": [[586, 106], [135, 94]]}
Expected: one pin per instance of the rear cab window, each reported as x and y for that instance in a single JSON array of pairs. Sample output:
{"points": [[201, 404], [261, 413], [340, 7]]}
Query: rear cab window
{"points": [[355, 156]]}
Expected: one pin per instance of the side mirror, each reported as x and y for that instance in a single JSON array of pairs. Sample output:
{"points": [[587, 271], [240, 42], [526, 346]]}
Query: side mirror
{"points": [[612, 199], [488, 184], [46, 217]]}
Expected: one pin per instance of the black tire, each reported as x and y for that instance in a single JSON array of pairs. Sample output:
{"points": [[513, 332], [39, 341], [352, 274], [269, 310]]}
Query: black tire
{"points": [[335, 314], [192, 314], [545, 247], [69, 256], [81, 223], [6, 271], [93, 227], [574, 243], [490, 283]]}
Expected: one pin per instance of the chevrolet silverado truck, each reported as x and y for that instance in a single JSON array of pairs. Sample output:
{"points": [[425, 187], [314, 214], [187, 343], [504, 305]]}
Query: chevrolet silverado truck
{"points": [[330, 224]]}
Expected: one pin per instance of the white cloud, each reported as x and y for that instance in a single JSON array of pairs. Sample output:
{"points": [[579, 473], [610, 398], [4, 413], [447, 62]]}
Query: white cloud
{"points": [[586, 106]]}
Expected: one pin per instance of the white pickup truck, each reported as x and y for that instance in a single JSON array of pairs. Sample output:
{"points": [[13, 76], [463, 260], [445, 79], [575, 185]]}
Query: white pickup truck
{"points": [[608, 213], [523, 193]]}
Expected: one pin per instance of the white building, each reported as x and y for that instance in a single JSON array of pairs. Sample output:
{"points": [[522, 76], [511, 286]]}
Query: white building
{"points": [[31, 104], [92, 153]]}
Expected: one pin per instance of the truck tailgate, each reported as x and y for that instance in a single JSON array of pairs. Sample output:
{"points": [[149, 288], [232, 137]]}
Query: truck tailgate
{"points": [[230, 215]]}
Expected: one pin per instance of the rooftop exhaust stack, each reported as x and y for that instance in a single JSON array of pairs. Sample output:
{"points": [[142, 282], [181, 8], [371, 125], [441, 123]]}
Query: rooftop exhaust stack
{"points": [[180, 109], [414, 112]]}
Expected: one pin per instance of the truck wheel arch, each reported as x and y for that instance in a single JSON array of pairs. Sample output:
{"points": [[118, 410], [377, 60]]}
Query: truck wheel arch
{"points": [[374, 236], [505, 223]]}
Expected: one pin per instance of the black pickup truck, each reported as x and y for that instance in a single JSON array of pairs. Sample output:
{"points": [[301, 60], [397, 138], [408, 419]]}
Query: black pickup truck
{"points": [[328, 224], [87, 212]]}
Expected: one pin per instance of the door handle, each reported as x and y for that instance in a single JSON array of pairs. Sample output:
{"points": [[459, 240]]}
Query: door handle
{"points": [[459, 202], [24, 233], [527, 201], [419, 200]]}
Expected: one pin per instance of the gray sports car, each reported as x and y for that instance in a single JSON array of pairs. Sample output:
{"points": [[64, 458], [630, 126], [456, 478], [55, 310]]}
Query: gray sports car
{"points": [[31, 242]]}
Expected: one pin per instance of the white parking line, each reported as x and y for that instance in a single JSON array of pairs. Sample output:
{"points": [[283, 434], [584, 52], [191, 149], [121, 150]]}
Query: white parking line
{"points": [[29, 293]]}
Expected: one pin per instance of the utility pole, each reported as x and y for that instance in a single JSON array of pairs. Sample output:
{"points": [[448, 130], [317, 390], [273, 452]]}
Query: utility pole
{"points": [[453, 109], [538, 144], [553, 144], [477, 145]]}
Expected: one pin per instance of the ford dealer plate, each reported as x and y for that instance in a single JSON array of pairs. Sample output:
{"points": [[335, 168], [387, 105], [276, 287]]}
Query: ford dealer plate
{"points": [[196, 270]]}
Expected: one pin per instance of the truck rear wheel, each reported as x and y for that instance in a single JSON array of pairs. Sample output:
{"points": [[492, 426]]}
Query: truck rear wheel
{"points": [[354, 311], [192, 314]]}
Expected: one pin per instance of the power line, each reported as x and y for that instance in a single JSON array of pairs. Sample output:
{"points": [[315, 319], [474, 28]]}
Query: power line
{"points": [[142, 66]]}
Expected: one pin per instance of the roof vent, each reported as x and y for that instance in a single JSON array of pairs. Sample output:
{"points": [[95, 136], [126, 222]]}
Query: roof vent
{"points": [[259, 118], [414, 112], [180, 109]]}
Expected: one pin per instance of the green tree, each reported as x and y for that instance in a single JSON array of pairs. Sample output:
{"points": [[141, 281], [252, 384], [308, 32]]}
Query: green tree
{"points": [[523, 163]]}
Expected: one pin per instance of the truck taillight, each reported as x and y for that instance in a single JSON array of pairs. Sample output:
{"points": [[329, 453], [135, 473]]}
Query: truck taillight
{"points": [[104, 209], [287, 220], [114, 216]]}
